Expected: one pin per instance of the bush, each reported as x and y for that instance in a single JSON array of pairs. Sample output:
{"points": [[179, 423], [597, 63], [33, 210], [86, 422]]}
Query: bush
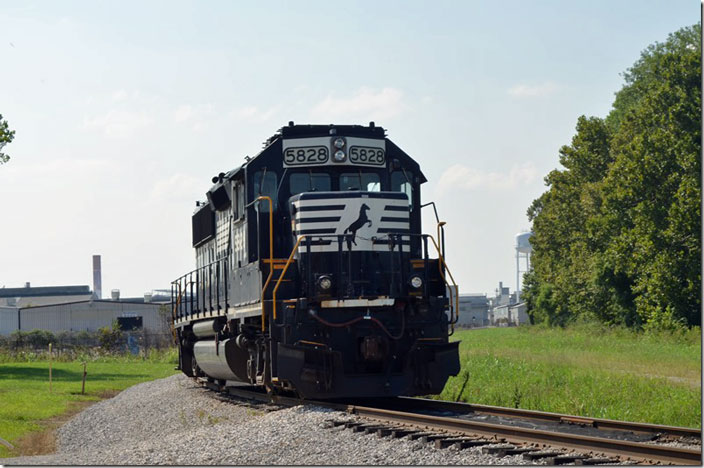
{"points": [[111, 339]]}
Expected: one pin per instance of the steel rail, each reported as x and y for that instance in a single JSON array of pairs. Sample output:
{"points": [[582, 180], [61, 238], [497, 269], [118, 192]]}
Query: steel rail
{"points": [[620, 448], [599, 423], [614, 447]]}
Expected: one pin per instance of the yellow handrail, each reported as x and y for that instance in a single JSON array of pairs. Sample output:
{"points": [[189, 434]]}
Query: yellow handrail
{"points": [[441, 262], [173, 311], [178, 299], [283, 273], [271, 251]]}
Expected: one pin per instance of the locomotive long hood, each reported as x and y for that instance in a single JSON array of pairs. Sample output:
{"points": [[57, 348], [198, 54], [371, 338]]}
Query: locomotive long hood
{"points": [[365, 219]]}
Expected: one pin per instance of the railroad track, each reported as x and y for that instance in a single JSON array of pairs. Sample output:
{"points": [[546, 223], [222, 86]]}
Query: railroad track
{"points": [[534, 434]]}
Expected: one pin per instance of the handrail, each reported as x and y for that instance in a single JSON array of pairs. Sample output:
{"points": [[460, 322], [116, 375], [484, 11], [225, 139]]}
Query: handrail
{"points": [[442, 263], [271, 250], [283, 273], [173, 311]]}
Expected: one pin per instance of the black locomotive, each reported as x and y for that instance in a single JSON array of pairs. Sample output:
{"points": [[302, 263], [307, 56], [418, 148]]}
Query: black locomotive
{"points": [[313, 275]]}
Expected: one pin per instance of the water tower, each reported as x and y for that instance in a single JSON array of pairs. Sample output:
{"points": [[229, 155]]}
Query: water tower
{"points": [[523, 250]]}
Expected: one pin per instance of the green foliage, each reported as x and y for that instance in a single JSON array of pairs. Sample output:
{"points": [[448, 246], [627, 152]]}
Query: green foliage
{"points": [[6, 136], [617, 234], [588, 369], [111, 338]]}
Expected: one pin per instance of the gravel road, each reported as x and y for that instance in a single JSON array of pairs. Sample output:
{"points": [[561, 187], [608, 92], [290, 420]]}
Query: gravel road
{"points": [[176, 422]]}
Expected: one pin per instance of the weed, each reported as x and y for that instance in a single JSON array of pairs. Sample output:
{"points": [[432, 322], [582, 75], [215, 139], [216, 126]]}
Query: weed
{"points": [[254, 412]]}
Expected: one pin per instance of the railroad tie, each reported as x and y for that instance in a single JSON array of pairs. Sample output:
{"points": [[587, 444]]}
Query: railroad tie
{"points": [[447, 442], [471, 443], [540, 454], [418, 435], [564, 459], [362, 428], [372, 429], [398, 433], [595, 461], [432, 437], [515, 451], [497, 449]]}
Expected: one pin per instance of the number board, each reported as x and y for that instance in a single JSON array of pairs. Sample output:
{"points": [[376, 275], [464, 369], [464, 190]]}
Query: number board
{"points": [[317, 151], [306, 155], [367, 155]]}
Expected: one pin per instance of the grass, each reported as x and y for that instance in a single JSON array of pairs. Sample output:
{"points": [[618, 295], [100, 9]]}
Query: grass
{"points": [[586, 370], [28, 408]]}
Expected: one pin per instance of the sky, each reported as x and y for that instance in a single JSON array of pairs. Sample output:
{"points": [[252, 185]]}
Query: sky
{"points": [[124, 111]]}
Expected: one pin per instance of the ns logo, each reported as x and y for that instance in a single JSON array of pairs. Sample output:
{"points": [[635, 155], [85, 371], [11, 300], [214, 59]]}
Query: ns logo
{"points": [[356, 225]]}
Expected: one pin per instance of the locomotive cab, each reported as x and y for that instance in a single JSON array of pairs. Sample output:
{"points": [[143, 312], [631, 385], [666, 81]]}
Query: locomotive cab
{"points": [[313, 274]]}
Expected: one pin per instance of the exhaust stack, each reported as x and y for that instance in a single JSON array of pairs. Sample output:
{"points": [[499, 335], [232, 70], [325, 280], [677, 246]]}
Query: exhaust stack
{"points": [[97, 281]]}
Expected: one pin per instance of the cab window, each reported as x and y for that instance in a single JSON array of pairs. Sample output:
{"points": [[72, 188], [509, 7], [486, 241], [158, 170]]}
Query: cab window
{"points": [[366, 181], [238, 200], [401, 182], [309, 182], [265, 184]]}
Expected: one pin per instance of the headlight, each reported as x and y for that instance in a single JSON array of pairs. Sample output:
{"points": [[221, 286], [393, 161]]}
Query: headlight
{"points": [[340, 156], [416, 282], [339, 143], [324, 283]]}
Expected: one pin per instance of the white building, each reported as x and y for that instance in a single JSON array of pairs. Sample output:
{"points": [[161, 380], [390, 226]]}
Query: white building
{"points": [[510, 315], [474, 310]]}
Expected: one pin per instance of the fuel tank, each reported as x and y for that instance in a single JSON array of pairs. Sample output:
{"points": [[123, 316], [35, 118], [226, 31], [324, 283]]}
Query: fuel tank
{"points": [[222, 360]]}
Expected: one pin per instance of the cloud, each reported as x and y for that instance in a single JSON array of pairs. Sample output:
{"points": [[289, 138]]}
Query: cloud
{"points": [[183, 113], [460, 177], [176, 187], [119, 123], [527, 91], [253, 114], [365, 104], [119, 95]]}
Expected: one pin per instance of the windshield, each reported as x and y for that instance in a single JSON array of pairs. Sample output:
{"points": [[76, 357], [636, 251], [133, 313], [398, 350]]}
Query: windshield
{"points": [[309, 182], [367, 181]]}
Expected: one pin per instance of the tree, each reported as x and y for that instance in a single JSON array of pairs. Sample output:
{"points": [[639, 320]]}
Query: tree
{"points": [[6, 136], [617, 234]]}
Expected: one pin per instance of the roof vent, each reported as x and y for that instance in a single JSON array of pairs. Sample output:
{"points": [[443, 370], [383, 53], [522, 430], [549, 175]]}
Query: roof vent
{"points": [[115, 294]]}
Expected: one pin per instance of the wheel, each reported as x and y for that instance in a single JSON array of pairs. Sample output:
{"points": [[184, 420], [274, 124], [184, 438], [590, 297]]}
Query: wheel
{"points": [[185, 360], [195, 370]]}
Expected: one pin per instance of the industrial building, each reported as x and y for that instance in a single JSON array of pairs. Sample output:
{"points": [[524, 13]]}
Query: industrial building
{"points": [[88, 315], [30, 297], [510, 315], [474, 310], [77, 308]]}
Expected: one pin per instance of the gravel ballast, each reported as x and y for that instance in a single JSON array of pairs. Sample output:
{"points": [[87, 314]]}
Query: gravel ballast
{"points": [[176, 422]]}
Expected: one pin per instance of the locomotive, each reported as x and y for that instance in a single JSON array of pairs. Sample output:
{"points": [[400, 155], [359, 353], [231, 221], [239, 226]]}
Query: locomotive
{"points": [[312, 274]]}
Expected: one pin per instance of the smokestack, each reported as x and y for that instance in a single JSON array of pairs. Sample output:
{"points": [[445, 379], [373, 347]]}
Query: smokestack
{"points": [[97, 282]]}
